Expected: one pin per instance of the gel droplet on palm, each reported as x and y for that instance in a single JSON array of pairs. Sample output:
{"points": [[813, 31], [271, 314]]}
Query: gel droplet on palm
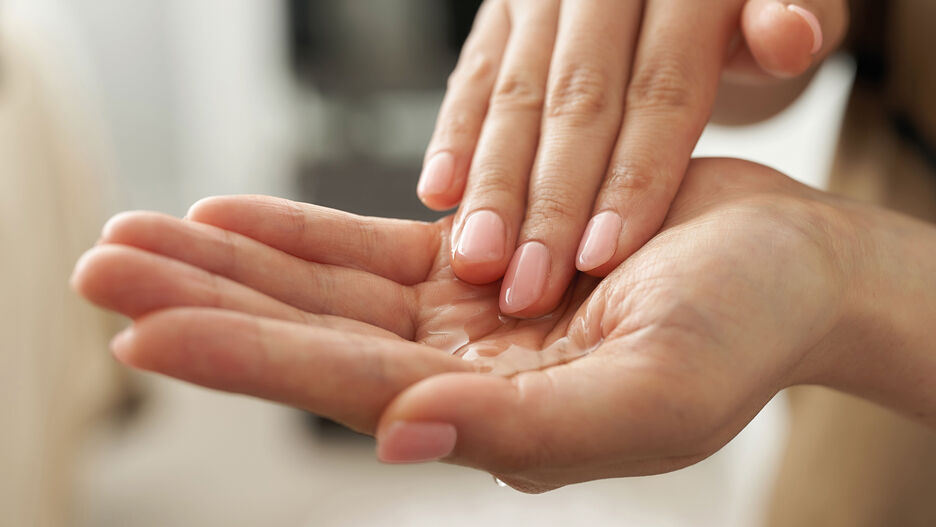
{"points": [[471, 327], [515, 359], [507, 357]]}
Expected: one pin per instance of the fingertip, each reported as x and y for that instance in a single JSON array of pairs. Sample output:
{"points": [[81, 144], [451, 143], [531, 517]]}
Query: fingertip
{"points": [[439, 186], [480, 252], [415, 442], [482, 421], [201, 207], [600, 241], [526, 281], [115, 225], [121, 346], [627, 239], [78, 279], [783, 39], [814, 26], [94, 273]]}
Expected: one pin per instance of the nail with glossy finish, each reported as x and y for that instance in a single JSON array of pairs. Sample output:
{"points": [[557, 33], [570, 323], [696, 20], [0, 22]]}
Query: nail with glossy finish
{"points": [[437, 176], [525, 278], [813, 23], [600, 241], [409, 442], [483, 238]]}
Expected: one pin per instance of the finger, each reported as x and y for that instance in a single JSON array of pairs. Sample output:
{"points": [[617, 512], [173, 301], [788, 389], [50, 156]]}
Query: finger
{"points": [[402, 251], [486, 225], [448, 156], [669, 99], [310, 367], [308, 286], [136, 282], [607, 415], [582, 116], [785, 39]]}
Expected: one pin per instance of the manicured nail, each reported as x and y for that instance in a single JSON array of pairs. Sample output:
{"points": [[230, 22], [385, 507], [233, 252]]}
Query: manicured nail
{"points": [[525, 278], [483, 238], [813, 23], [405, 442], [437, 175], [600, 240], [120, 344]]}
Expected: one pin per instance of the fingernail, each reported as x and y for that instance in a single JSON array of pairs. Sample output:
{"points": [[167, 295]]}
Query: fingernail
{"points": [[600, 240], [120, 344], [482, 238], [437, 175], [813, 23], [406, 442], [525, 278]]}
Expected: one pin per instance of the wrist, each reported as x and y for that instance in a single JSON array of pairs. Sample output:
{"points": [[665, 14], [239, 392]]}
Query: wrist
{"points": [[882, 348]]}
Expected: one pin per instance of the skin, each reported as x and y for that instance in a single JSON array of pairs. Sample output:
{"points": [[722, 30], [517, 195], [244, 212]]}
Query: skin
{"points": [[561, 110], [755, 283]]}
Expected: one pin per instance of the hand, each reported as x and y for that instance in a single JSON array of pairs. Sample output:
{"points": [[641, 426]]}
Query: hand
{"points": [[567, 125], [738, 297]]}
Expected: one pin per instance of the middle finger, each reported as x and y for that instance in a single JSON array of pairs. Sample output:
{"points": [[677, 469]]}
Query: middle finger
{"points": [[486, 226], [587, 79]]}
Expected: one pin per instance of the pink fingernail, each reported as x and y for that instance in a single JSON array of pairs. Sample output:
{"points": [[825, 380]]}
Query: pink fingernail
{"points": [[120, 344], [600, 240], [405, 442], [813, 23], [437, 175], [525, 278], [483, 238]]}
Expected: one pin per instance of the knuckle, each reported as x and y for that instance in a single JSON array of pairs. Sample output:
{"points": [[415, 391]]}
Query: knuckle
{"points": [[293, 216], [458, 125], [667, 85], [518, 91], [551, 206], [473, 68], [581, 91], [230, 266], [496, 184], [630, 178]]}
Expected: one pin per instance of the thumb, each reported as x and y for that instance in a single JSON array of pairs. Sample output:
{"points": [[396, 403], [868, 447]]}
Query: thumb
{"points": [[540, 430], [786, 38]]}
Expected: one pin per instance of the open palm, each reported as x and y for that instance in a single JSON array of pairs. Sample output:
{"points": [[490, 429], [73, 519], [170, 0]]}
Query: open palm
{"points": [[362, 320]]}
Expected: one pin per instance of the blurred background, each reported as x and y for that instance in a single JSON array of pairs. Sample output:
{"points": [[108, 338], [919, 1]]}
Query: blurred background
{"points": [[108, 105]]}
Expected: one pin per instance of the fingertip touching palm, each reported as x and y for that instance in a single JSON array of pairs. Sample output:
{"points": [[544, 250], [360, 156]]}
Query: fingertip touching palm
{"points": [[567, 126], [362, 320]]}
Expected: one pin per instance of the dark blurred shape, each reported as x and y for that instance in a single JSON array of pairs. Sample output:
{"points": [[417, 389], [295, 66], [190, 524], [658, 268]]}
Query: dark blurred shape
{"points": [[352, 57], [360, 46], [867, 40], [462, 17], [329, 430], [367, 187]]}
